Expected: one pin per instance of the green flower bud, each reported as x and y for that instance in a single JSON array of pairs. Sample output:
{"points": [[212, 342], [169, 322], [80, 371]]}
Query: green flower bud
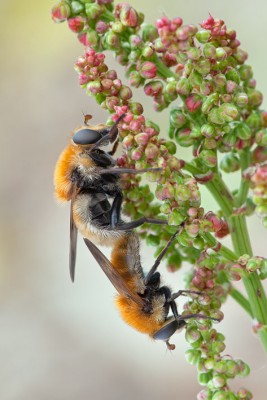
{"points": [[192, 356], [209, 102], [220, 81], [261, 137], [76, 7], [233, 75], [203, 67], [171, 146], [199, 243], [207, 130], [203, 36], [223, 395], [245, 72], [218, 381], [183, 137], [230, 163], [175, 218], [149, 33], [255, 98], [183, 87], [209, 51], [243, 131], [241, 99], [192, 335], [177, 118], [204, 378], [254, 120], [209, 158], [93, 10], [228, 112], [193, 53]]}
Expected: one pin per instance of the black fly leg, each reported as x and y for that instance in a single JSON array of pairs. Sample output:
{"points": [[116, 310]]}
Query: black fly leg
{"points": [[114, 148], [115, 211], [184, 293], [161, 255]]}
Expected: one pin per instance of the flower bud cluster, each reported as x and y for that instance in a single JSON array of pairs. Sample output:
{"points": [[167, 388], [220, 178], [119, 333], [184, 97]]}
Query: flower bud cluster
{"points": [[214, 369], [141, 143], [259, 182]]}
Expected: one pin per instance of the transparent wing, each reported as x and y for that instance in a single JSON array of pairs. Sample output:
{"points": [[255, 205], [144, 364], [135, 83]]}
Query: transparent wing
{"points": [[115, 278], [73, 244]]}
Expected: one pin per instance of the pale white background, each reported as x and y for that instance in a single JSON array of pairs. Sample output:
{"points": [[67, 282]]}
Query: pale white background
{"points": [[60, 341]]}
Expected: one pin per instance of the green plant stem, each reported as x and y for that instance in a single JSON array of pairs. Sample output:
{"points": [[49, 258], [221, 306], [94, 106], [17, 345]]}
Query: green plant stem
{"points": [[241, 244], [252, 283], [242, 194]]}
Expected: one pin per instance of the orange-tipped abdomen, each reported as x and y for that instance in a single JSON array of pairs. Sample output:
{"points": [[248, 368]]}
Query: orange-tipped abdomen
{"points": [[134, 316]]}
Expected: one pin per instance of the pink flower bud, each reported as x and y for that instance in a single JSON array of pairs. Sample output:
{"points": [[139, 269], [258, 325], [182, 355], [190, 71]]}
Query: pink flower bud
{"points": [[76, 24], [60, 12], [136, 155], [129, 16], [153, 88], [151, 151], [101, 27], [148, 70], [141, 138], [128, 142], [193, 103]]}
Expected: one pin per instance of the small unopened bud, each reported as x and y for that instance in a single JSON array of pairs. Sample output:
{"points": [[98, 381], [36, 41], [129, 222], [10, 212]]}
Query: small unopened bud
{"points": [[209, 158], [183, 87], [243, 131], [193, 103], [148, 70], [203, 36], [209, 51], [93, 10], [151, 151], [76, 24], [193, 356], [153, 88], [129, 16], [230, 162], [177, 118], [60, 12], [255, 98], [261, 137], [149, 33]]}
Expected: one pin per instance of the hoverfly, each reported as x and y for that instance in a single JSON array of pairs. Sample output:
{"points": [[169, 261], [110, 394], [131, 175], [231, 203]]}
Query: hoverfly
{"points": [[142, 301], [86, 175]]}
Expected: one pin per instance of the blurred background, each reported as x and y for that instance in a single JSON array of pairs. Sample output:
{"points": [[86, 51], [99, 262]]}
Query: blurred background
{"points": [[59, 340]]}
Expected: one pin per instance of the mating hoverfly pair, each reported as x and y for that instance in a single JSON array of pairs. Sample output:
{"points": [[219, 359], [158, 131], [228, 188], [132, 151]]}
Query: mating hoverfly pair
{"points": [[87, 176]]}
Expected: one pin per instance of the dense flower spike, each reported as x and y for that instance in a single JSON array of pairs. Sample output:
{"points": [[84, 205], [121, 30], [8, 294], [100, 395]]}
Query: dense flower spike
{"points": [[215, 109]]}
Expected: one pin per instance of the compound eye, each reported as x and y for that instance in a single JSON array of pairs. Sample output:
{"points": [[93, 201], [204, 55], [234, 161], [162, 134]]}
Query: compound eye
{"points": [[167, 331], [86, 136]]}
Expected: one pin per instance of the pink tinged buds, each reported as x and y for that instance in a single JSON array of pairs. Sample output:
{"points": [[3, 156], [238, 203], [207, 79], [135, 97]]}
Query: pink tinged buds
{"points": [[125, 93], [142, 139], [209, 51], [129, 16], [151, 151], [245, 72], [177, 118], [136, 155], [76, 24], [261, 137], [183, 87], [135, 79], [241, 99], [101, 27], [148, 70], [60, 12], [193, 103], [255, 98], [209, 158], [153, 88]]}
